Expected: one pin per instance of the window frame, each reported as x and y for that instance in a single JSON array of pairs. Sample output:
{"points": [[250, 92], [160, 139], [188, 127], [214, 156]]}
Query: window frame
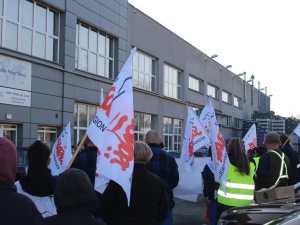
{"points": [[212, 91], [35, 31], [139, 134], [172, 83], [138, 71], [173, 138], [193, 83], [105, 56]]}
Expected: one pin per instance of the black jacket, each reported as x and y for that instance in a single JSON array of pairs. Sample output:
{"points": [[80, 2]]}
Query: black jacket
{"points": [[17, 209], [75, 200], [148, 202]]}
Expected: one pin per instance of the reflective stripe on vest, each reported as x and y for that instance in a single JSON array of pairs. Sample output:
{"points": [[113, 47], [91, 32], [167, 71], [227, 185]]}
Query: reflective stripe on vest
{"points": [[281, 175], [239, 188]]}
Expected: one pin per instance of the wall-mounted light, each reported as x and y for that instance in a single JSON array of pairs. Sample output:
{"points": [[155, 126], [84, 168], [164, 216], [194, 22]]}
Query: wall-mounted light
{"points": [[270, 95], [228, 66], [240, 74], [214, 56]]}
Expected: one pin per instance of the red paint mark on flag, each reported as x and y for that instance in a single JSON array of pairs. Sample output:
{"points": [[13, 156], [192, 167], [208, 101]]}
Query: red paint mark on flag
{"points": [[107, 103], [220, 147], [125, 146], [59, 151]]}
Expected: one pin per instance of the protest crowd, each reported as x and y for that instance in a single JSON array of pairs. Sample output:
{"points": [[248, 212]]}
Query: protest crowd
{"points": [[110, 179]]}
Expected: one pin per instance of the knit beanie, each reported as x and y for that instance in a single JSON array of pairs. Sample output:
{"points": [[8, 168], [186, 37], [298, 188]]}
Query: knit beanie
{"points": [[8, 161]]}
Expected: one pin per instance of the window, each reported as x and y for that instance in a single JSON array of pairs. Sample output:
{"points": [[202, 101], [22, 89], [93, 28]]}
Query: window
{"points": [[195, 84], [171, 82], [9, 131], [225, 96], [211, 90], [142, 124], [226, 121], [94, 51], [237, 102], [172, 133], [143, 71], [29, 27], [83, 116], [237, 123], [47, 135]]}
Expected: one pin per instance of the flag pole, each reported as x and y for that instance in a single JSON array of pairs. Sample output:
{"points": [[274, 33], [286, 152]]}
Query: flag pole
{"points": [[287, 139], [77, 151]]}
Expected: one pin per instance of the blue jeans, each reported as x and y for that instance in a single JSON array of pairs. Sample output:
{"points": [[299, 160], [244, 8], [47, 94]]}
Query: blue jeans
{"points": [[169, 219], [213, 213]]}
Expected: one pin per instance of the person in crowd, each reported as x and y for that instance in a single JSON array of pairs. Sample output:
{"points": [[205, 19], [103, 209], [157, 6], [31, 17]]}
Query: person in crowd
{"points": [[210, 188], [240, 184], [16, 209], [148, 200], [164, 165], [287, 149], [274, 165], [75, 200], [86, 161], [258, 152], [38, 184]]}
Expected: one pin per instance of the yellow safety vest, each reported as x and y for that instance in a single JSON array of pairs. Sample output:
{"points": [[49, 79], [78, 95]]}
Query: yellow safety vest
{"points": [[239, 188]]}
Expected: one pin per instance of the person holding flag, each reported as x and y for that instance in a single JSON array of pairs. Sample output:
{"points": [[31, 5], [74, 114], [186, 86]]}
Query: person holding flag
{"points": [[293, 157]]}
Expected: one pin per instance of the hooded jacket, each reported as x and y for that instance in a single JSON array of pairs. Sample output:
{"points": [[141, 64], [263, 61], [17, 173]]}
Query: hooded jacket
{"points": [[16, 209], [75, 200]]}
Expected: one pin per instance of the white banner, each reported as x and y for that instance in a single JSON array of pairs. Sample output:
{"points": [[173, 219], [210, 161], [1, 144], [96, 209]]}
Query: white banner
{"points": [[190, 184], [194, 138], [250, 139], [219, 153], [61, 152], [112, 132]]}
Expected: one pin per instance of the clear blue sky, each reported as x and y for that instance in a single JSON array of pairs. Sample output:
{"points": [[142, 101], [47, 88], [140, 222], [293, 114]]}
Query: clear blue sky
{"points": [[260, 37]]}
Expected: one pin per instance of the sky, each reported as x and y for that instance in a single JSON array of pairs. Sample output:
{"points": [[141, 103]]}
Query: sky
{"points": [[259, 37]]}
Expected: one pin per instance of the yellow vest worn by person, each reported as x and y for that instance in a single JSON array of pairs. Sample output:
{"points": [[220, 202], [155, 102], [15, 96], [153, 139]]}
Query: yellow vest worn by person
{"points": [[239, 188]]}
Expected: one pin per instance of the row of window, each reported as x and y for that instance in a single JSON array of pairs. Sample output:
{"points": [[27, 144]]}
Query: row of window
{"points": [[32, 28], [143, 122]]}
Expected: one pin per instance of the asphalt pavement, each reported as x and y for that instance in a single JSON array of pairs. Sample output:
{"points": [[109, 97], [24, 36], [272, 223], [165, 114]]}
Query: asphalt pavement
{"points": [[190, 213]]}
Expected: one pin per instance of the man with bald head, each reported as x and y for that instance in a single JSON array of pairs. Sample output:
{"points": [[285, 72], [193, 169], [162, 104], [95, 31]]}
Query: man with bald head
{"points": [[274, 165], [15, 208], [163, 164]]}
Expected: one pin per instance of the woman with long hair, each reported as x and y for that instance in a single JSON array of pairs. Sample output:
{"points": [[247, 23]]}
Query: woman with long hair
{"points": [[240, 179], [38, 184]]}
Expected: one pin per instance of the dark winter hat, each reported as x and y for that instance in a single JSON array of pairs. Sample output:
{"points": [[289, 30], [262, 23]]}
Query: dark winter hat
{"points": [[8, 161]]}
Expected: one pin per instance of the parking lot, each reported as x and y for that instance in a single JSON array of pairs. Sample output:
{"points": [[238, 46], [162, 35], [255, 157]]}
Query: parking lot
{"points": [[190, 213]]}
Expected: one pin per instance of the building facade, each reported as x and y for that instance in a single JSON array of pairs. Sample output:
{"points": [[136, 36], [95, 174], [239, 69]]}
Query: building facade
{"points": [[56, 56]]}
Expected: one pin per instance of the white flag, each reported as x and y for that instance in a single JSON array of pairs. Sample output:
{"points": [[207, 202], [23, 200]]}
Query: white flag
{"points": [[297, 130], [61, 152], [218, 150], [205, 120], [194, 138], [250, 139], [38, 137], [112, 132]]}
